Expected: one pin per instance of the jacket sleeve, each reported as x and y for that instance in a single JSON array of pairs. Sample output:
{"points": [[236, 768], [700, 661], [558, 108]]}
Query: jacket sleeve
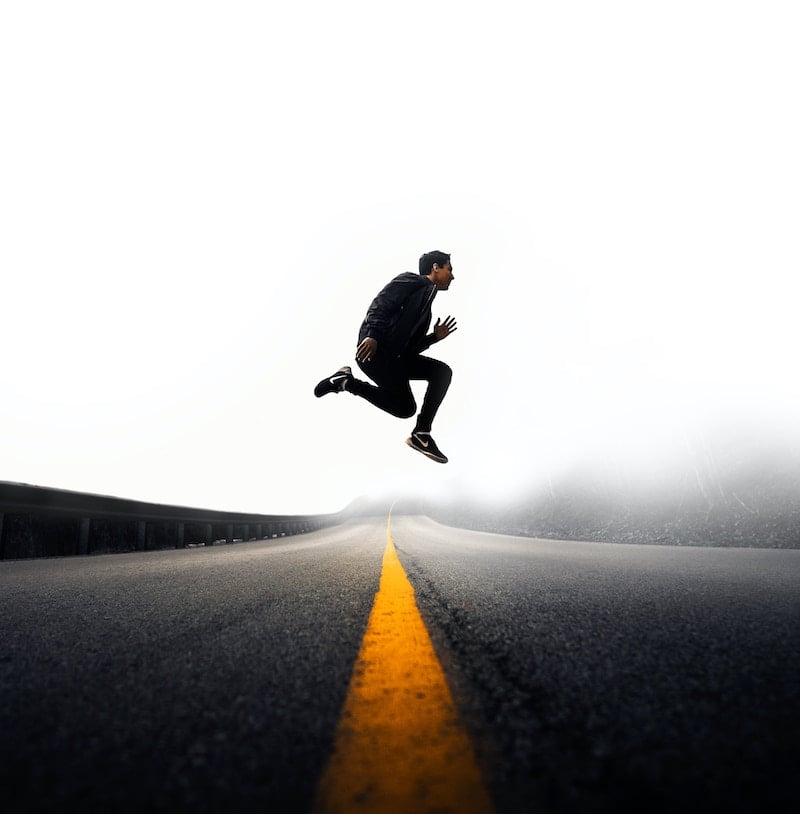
{"points": [[386, 306], [427, 341]]}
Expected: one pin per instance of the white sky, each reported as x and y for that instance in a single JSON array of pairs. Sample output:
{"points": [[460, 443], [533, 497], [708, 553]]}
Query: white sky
{"points": [[199, 200]]}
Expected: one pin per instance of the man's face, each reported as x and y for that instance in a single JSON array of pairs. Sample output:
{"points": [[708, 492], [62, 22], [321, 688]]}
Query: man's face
{"points": [[443, 276]]}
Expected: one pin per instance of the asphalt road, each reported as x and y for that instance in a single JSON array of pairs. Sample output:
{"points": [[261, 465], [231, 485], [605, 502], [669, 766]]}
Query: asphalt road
{"points": [[592, 677]]}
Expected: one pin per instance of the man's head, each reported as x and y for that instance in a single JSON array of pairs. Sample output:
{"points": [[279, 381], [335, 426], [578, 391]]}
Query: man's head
{"points": [[437, 268]]}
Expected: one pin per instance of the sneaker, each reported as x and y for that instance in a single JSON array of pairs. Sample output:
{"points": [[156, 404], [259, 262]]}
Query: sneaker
{"points": [[422, 442], [335, 383]]}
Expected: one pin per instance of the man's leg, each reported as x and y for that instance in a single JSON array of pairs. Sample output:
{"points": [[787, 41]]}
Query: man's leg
{"points": [[438, 375], [391, 391]]}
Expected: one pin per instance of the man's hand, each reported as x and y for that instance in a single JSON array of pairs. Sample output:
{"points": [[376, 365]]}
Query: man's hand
{"points": [[440, 331], [366, 350]]}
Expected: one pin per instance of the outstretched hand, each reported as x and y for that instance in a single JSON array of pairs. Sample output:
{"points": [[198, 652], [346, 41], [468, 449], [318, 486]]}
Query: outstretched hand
{"points": [[443, 329]]}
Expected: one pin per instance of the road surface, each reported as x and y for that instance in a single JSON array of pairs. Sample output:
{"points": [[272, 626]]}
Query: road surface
{"points": [[587, 677]]}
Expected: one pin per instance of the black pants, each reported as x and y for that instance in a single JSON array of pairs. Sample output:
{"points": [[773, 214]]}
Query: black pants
{"points": [[393, 391]]}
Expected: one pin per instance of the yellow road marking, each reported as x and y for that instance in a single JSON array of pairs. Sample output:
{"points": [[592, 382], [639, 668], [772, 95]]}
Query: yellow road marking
{"points": [[400, 747]]}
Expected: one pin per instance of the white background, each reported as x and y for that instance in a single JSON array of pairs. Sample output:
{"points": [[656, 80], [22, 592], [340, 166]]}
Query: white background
{"points": [[199, 200]]}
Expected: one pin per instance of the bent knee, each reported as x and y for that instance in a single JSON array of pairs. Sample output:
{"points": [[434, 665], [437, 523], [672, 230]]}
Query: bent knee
{"points": [[405, 409], [445, 373]]}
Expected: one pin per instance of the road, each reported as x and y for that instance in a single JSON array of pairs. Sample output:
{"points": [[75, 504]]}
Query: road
{"points": [[590, 677]]}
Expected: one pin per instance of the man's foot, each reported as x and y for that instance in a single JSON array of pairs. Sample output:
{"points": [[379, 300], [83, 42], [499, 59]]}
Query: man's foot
{"points": [[422, 442], [335, 383]]}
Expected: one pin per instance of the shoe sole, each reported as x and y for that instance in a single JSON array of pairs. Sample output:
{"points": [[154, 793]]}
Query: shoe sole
{"points": [[431, 455]]}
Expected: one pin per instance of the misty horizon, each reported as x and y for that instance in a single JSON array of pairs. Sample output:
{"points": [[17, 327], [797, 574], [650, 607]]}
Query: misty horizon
{"points": [[186, 260]]}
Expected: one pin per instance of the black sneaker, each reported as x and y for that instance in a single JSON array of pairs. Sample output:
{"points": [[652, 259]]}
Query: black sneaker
{"points": [[422, 442], [335, 383]]}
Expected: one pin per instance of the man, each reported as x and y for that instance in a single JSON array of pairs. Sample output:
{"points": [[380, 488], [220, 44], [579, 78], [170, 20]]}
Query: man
{"points": [[390, 343]]}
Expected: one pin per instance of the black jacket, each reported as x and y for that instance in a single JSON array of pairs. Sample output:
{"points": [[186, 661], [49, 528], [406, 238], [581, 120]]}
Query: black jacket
{"points": [[399, 317]]}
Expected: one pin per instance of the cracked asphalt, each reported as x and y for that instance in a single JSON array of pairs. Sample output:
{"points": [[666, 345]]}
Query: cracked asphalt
{"points": [[601, 677]]}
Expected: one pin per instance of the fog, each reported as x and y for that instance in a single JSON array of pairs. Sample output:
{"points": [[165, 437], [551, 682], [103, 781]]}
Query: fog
{"points": [[199, 203]]}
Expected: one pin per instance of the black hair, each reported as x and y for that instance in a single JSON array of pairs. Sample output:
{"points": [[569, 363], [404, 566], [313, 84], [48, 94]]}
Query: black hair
{"points": [[427, 261]]}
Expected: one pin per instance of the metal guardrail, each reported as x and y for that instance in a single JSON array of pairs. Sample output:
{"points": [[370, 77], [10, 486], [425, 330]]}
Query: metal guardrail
{"points": [[37, 521]]}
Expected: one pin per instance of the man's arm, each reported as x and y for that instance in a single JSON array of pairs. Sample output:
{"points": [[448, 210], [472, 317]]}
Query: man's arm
{"points": [[386, 304], [441, 330], [388, 301]]}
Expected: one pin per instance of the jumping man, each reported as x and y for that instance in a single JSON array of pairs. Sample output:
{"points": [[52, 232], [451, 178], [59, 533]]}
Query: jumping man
{"points": [[390, 343]]}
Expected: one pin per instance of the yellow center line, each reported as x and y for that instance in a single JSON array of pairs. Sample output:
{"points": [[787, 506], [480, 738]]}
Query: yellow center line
{"points": [[400, 747]]}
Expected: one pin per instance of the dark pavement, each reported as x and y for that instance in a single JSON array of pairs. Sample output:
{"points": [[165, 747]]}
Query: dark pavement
{"points": [[593, 677], [191, 680], [607, 677]]}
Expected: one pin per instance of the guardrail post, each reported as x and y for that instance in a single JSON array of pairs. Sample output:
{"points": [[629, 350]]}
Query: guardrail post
{"points": [[209, 534], [83, 536], [181, 537], [258, 532], [229, 533], [141, 535]]}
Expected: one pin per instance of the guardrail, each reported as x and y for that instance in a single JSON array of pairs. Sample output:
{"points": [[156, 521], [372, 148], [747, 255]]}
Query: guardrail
{"points": [[37, 521]]}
